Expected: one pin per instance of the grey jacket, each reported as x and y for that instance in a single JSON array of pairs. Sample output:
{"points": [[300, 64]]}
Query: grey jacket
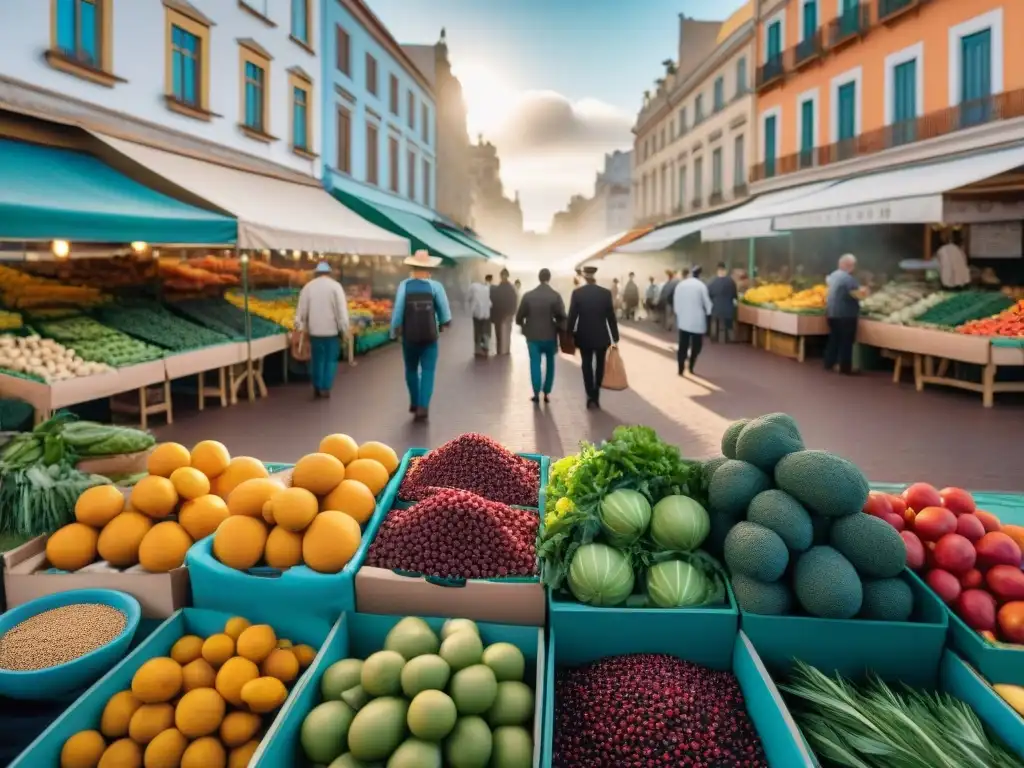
{"points": [[541, 313]]}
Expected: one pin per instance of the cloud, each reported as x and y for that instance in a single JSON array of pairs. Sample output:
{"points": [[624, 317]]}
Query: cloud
{"points": [[546, 123]]}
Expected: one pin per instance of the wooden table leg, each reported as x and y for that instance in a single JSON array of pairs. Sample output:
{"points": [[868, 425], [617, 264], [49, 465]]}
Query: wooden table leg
{"points": [[143, 416], [918, 373], [897, 369], [202, 391], [800, 349], [988, 380], [168, 402]]}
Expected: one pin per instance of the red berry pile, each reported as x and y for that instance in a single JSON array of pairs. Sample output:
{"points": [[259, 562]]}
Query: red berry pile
{"points": [[650, 710], [476, 463], [457, 534]]}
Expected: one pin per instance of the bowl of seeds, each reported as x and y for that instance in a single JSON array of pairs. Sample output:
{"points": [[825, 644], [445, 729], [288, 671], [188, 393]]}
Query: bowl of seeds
{"points": [[61, 643]]}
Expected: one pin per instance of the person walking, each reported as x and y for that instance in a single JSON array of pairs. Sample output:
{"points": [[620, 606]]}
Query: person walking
{"points": [[692, 306], [480, 309], [668, 292], [541, 315], [842, 311], [616, 297], [723, 294], [630, 298], [594, 328], [503, 311], [420, 314], [322, 314], [651, 298]]}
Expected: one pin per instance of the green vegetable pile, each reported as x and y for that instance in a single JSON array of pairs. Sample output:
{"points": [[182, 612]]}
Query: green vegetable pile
{"points": [[152, 323], [627, 514], [97, 343], [225, 318], [964, 307], [64, 439], [874, 726]]}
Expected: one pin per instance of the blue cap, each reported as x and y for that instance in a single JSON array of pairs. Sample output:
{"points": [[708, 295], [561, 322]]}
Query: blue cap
{"points": [[322, 268]]}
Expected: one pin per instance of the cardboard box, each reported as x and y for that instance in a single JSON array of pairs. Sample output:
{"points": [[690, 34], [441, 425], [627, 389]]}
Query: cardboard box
{"points": [[159, 594], [379, 590], [121, 464]]}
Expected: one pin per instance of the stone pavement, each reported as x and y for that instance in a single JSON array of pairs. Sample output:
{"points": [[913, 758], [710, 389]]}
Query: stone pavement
{"points": [[893, 433]]}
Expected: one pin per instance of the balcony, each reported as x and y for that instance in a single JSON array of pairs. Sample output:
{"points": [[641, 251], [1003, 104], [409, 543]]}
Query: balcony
{"points": [[771, 71], [1003, 106], [808, 50], [889, 10], [852, 24]]}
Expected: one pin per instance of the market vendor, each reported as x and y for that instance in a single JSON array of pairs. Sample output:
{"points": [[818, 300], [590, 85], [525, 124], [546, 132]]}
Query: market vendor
{"points": [[323, 315], [842, 312], [953, 269]]}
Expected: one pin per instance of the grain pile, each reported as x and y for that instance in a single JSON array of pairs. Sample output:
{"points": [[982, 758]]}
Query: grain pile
{"points": [[60, 635]]}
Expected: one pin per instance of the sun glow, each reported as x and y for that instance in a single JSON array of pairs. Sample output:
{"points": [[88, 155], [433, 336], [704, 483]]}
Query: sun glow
{"points": [[489, 98]]}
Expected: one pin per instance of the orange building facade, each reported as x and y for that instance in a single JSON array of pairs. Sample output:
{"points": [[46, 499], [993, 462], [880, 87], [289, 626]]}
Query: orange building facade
{"points": [[845, 86]]}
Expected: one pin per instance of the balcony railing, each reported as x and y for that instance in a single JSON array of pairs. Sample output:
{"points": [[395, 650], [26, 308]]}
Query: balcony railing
{"points": [[852, 23], [808, 50], [773, 69], [890, 9], [1003, 106]]}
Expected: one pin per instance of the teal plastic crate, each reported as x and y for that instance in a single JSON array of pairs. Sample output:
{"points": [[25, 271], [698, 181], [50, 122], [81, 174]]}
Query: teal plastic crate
{"points": [[359, 634], [961, 680], [85, 713], [299, 590], [780, 737], [908, 651]]}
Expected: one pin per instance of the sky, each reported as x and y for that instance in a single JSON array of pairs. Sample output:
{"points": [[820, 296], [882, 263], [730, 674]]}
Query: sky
{"points": [[554, 84]]}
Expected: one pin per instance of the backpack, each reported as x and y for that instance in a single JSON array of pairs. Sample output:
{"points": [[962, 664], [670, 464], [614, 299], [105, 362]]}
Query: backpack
{"points": [[419, 321]]}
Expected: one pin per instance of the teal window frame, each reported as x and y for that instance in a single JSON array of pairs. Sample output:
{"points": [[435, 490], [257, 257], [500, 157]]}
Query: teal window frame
{"points": [[739, 163], [904, 106], [846, 111], [808, 115], [976, 78], [741, 76], [80, 31], [716, 172], [300, 20], [300, 119], [186, 67], [771, 135], [719, 93], [773, 45], [255, 96]]}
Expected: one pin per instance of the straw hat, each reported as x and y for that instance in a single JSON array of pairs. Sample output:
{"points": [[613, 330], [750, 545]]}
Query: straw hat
{"points": [[423, 260]]}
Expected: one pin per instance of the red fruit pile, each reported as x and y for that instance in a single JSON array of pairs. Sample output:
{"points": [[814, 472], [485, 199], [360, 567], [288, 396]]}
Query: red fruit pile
{"points": [[647, 710], [963, 553], [457, 534], [474, 463]]}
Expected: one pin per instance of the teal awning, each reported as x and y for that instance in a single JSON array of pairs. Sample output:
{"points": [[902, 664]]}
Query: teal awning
{"points": [[422, 234], [467, 239], [48, 193]]}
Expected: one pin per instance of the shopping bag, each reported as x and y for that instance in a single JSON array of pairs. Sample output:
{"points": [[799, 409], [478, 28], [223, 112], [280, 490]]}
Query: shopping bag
{"points": [[566, 342], [298, 341], [614, 371]]}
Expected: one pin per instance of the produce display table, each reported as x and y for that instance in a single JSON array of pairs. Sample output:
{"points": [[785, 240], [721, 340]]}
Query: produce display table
{"points": [[783, 333], [142, 378]]}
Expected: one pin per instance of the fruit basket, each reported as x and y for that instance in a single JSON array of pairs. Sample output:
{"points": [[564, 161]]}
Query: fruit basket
{"points": [[963, 681]]}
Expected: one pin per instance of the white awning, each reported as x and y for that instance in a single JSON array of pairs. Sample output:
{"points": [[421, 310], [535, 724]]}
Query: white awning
{"points": [[663, 238], [910, 195], [586, 254], [271, 213], [755, 218]]}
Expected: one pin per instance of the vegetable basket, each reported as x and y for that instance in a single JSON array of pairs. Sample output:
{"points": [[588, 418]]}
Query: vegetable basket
{"points": [[783, 745], [85, 713], [299, 589], [961, 680], [359, 635]]}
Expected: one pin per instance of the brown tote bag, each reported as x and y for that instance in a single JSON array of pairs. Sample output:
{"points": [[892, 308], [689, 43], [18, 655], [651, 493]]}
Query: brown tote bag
{"points": [[614, 372], [566, 343], [299, 342]]}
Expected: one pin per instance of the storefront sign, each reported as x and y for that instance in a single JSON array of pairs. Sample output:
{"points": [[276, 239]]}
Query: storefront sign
{"points": [[1003, 240], [913, 210], [972, 211]]}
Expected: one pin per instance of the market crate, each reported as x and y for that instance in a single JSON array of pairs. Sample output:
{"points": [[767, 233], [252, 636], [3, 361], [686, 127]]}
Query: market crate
{"points": [[958, 678], [509, 600], [360, 634], [783, 745], [85, 713], [909, 651], [298, 590]]}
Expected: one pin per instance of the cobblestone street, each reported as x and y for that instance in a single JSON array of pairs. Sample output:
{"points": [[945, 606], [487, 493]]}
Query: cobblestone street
{"points": [[891, 432]]}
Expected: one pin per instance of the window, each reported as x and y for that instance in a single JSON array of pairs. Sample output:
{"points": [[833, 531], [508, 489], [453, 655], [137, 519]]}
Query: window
{"points": [[682, 187], [425, 124], [716, 172], [393, 163], [427, 184], [741, 76], [904, 107], [682, 121], [739, 163], [255, 89], [372, 154], [847, 111], [412, 110], [187, 67], [975, 76], [774, 45], [301, 103], [393, 94], [807, 133], [410, 172], [661, 142], [809, 14], [80, 39], [719, 93], [344, 163], [771, 147], [300, 21], [342, 51], [698, 181], [698, 110], [371, 74]]}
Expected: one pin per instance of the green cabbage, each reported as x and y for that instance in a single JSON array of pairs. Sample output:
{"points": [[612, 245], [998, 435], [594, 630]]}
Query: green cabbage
{"points": [[675, 584], [600, 575], [625, 515], [679, 524]]}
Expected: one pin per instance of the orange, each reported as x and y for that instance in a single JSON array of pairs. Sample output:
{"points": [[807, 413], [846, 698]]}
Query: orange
{"points": [[190, 483], [166, 458], [210, 457], [370, 473], [294, 508], [319, 473], [154, 496], [239, 469], [249, 496], [353, 498], [385, 454], [200, 517], [341, 447]]}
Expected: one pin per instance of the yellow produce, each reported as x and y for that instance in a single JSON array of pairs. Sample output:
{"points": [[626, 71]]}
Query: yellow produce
{"points": [[811, 298], [206, 752], [187, 648], [377, 451], [83, 750], [305, 654], [283, 642], [239, 727], [163, 549], [167, 457], [72, 547], [768, 294], [284, 548], [123, 753], [240, 541], [236, 672], [117, 714], [294, 508], [120, 539], [165, 750], [98, 505], [318, 473], [239, 469], [157, 680], [240, 757], [249, 496], [190, 483], [342, 447], [370, 473], [353, 498], [281, 312], [256, 642], [264, 694], [149, 720], [210, 457], [197, 674], [235, 626], [154, 496], [10, 320], [282, 664], [1012, 695], [268, 513], [200, 517], [330, 541], [199, 713], [218, 649]]}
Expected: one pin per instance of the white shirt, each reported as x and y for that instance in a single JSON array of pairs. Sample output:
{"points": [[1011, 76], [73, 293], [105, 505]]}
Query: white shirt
{"points": [[323, 308], [953, 269], [480, 301], [691, 304]]}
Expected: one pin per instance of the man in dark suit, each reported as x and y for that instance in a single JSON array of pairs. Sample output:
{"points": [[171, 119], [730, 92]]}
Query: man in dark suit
{"points": [[592, 322]]}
